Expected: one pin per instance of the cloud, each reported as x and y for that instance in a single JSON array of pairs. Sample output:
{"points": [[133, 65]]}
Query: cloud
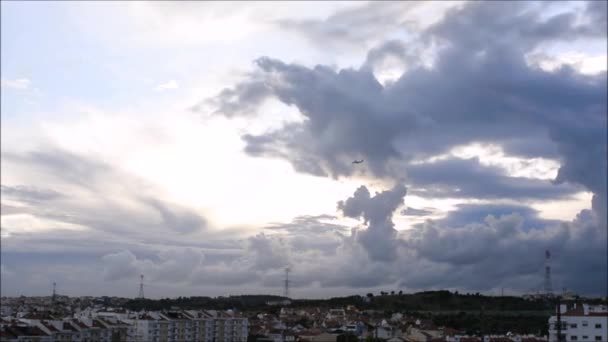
{"points": [[379, 237], [29, 194], [468, 178], [352, 25], [457, 88], [19, 83], [310, 233], [467, 213], [267, 253], [361, 26], [101, 197], [172, 84], [173, 265], [427, 111], [183, 221], [5, 271], [416, 212], [483, 254], [478, 88], [119, 265]]}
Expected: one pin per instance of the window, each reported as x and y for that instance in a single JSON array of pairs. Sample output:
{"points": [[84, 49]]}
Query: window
{"points": [[573, 325], [585, 323], [598, 338], [585, 337], [598, 326], [573, 338]]}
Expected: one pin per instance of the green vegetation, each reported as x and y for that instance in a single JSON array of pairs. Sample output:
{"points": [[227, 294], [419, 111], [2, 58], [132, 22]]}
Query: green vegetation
{"points": [[251, 302], [470, 313], [459, 311]]}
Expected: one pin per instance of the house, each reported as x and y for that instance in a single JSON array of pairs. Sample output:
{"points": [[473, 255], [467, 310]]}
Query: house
{"points": [[582, 322], [396, 339], [415, 334]]}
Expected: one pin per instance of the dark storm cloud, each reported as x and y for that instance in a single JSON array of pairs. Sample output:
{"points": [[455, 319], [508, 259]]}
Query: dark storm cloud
{"points": [[523, 28], [480, 89], [341, 125], [467, 213], [499, 249], [347, 121], [379, 238], [467, 178], [597, 12]]}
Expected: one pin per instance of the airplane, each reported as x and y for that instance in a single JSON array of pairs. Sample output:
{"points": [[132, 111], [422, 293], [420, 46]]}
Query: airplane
{"points": [[358, 161]]}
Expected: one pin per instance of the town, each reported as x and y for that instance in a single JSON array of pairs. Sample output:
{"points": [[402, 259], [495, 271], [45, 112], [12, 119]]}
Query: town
{"points": [[279, 319]]}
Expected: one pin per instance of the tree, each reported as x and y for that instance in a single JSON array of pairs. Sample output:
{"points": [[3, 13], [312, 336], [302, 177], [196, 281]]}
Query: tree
{"points": [[401, 292]]}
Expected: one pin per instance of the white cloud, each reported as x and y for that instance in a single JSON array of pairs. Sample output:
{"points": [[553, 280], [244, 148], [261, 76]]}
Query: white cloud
{"points": [[25, 223], [493, 155], [582, 62], [167, 86], [19, 83]]}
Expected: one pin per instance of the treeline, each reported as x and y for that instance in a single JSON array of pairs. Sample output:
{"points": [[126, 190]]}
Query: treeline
{"points": [[448, 301], [493, 323], [245, 302], [429, 301]]}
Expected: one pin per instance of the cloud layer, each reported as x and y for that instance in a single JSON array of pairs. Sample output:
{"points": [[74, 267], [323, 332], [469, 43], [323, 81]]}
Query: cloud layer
{"points": [[466, 77]]}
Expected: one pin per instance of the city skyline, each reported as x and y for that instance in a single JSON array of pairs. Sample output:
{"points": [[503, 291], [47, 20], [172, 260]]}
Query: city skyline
{"points": [[367, 146]]}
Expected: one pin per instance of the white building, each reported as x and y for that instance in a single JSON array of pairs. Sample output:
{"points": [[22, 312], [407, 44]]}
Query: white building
{"points": [[581, 323], [152, 326]]}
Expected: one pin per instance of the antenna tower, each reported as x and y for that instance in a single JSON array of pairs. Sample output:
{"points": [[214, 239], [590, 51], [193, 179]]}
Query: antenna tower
{"points": [[54, 298], [141, 287], [286, 290], [548, 287]]}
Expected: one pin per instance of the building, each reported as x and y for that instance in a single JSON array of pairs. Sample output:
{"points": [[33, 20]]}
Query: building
{"points": [[581, 322], [152, 326]]}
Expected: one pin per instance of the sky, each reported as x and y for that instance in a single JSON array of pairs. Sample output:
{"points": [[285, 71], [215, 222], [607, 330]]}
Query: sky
{"points": [[209, 145]]}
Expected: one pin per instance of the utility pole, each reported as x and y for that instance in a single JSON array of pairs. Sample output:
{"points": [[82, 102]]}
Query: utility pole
{"points": [[54, 298], [481, 323], [286, 284], [548, 285], [141, 287], [559, 321]]}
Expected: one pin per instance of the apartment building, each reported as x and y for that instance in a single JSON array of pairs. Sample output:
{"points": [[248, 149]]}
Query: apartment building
{"points": [[168, 326], [581, 322]]}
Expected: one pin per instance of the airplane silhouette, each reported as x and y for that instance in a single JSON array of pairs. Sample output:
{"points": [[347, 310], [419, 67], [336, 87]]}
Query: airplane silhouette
{"points": [[358, 161]]}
